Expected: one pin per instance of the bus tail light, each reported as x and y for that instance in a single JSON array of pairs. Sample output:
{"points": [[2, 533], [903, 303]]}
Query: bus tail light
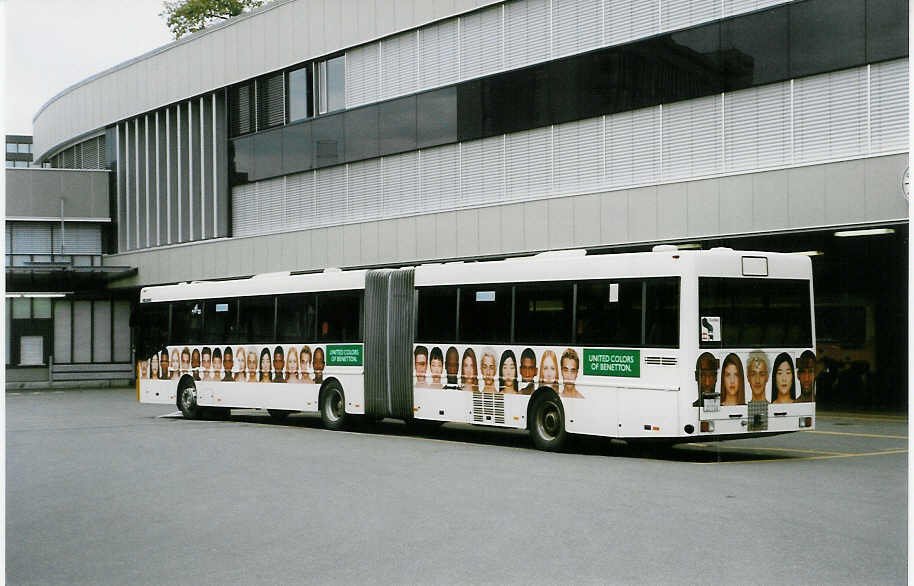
{"points": [[707, 426], [805, 422]]}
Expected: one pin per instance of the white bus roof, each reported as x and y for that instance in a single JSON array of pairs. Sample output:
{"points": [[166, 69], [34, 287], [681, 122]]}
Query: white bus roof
{"points": [[552, 266], [267, 284]]}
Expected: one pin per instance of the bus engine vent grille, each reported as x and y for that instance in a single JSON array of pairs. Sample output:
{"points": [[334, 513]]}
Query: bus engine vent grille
{"points": [[661, 360], [488, 408]]}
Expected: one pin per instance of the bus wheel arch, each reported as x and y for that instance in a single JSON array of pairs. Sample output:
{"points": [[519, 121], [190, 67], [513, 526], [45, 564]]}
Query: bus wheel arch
{"points": [[546, 420], [332, 405], [186, 398]]}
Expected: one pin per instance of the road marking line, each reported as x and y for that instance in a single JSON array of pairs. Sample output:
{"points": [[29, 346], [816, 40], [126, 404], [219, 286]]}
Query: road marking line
{"points": [[852, 434], [175, 414], [834, 456], [58, 392], [763, 449], [17, 394], [864, 416]]}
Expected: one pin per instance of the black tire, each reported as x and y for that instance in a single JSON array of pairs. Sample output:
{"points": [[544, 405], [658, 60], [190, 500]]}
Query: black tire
{"points": [[547, 423], [333, 407], [187, 400], [278, 415]]}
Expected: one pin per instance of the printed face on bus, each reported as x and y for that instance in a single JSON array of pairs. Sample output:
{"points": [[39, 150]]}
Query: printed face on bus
{"points": [[239, 358], [305, 360], [318, 360], [174, 363], [527, 369], [806, 373], [292, 360], [569, 369], [452, 361], [436, 367], [144, 369], [549, 368], [217, 363], [488, 368], [163, 365], [421, 363], [154, 366], [508, 372], [707, 374], [206, 361], [195, 359], [265, 362], [279, 362], [252, 362], [783, 378], [185, 359], [731, 383], [758, 378], [468, 370]]}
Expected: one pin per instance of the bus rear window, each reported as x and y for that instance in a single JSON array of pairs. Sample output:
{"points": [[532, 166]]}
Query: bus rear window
{"points": [[756, 313]]}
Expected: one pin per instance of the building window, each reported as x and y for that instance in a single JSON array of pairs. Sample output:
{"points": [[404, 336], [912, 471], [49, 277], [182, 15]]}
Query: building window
{"points": [[331, 85], [31, 351], [11, 147], [270, 101], [300, 94], [241, 109], [25, 147]]}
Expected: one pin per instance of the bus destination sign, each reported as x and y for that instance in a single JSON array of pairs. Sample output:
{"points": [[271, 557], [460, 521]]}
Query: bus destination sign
{"points": [[344, 355], [605, 362]]}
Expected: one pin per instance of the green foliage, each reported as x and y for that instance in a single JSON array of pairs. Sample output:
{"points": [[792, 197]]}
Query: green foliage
{"points": [[190, 16]]}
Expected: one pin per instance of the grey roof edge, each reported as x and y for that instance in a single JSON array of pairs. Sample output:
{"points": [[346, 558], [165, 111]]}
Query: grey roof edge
{"points": [[270, 5]]}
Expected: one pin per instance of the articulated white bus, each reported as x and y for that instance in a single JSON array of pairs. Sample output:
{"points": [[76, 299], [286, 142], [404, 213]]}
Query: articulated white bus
{"points": [[670, 345]]}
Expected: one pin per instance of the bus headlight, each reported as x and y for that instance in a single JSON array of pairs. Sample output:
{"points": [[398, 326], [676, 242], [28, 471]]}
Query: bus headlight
{"points": [[805, 422]]}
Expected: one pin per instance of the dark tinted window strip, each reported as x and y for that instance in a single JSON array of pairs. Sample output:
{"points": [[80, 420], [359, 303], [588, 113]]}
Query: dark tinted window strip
{"points": [[768, 46]]}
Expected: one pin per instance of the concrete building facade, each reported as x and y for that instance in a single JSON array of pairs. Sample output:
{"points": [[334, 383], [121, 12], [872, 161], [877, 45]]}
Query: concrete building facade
{"points": [[316, 133]]}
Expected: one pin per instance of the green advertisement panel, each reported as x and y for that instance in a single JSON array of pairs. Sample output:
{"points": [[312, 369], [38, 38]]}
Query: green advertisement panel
{"points": [[606, 362], [344, 355]]}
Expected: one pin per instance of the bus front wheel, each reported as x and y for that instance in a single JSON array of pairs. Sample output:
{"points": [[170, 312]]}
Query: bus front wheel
{"points": [[547, 423], [333, 406], [187, 401]]}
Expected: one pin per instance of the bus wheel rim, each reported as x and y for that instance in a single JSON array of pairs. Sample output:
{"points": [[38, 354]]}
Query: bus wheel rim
{"points": [[549, 421], [188, 397], [335, 405]]}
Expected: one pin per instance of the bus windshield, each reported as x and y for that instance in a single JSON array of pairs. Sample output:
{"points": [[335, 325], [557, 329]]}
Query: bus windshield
{"points": [[756, 313]]}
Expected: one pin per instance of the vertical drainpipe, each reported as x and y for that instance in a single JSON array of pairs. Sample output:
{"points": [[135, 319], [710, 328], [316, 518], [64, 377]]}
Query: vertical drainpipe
{"points": [[63, 238]]}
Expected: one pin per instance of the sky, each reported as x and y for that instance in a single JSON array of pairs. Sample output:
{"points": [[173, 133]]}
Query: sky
{"points": [[53, 44]]}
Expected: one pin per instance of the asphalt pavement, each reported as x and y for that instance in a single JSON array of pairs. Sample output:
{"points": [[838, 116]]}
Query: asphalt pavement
{"points": [[103, 490]]}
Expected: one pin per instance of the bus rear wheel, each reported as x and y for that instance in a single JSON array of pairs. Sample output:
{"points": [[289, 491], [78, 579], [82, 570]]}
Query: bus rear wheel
{"points": [[187, 401], [333, 407], [547, 423]]}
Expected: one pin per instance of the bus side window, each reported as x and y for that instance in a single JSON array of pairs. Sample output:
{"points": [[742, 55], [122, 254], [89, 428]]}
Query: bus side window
{"points": [[186, 322], [485, 314], [257, 314], [339, 316], [609, 313], [661, 314], [436, 314], [295, 317], [543, 313], [220, 317], [151, 328]]}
